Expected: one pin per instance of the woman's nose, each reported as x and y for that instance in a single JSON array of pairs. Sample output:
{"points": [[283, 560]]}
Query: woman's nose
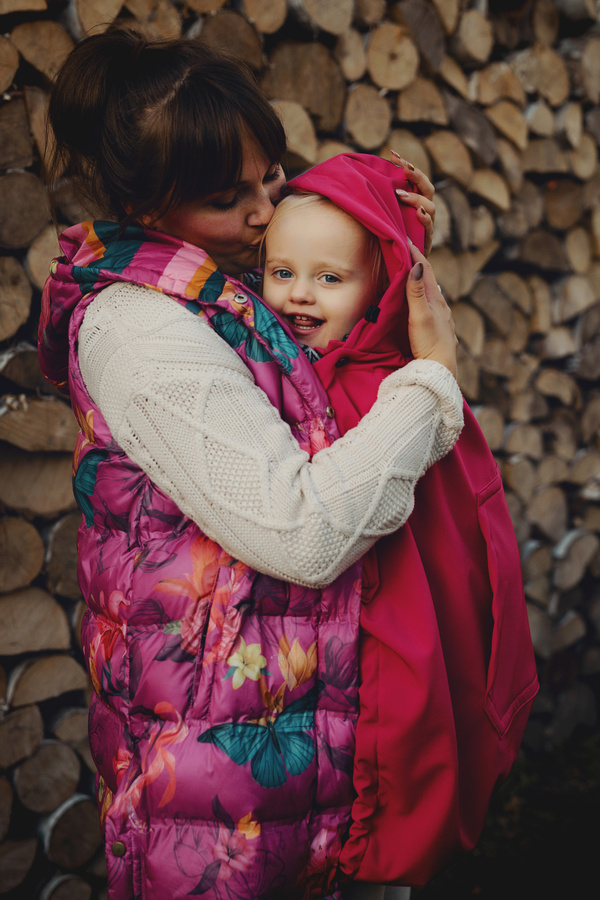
{"points": [[260, 216]]}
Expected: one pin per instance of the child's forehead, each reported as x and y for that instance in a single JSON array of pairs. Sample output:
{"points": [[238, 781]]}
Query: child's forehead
{"points": [[298, 212]]}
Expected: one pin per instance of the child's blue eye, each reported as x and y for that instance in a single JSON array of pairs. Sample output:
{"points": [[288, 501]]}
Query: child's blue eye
{"points": [[282, 273], [331, 279]]}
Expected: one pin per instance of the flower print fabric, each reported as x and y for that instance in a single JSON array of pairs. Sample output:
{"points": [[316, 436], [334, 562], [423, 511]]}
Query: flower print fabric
{"points": [[212, 711]]}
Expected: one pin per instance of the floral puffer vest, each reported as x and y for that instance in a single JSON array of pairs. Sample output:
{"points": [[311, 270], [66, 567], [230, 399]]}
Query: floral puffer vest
{"points": [[222, 723]]}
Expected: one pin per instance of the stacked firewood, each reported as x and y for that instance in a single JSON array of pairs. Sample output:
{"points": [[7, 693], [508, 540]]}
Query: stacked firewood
{"points": [[498, 103]]}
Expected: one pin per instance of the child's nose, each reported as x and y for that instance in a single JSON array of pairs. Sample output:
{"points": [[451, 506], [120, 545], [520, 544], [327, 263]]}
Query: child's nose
{"points": [[301, 291]]}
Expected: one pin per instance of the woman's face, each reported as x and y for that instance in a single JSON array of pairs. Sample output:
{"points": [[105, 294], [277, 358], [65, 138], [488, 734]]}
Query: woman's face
{"points": [[229, 225]]}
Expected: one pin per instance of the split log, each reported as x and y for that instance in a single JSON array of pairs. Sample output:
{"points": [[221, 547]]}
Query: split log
{"points": [[584, 65], [21, 554], [6, 802], [15, 296], [369, 12], [351, 55], [548, 511], [442, 227], [491, 422], [474, 129], [368, 116], [558, 343], [496, 358], [24, 209], [160, 18], [230, 31], [267, 18], [494, 83], [32, 620], [583, 160], [573, 554], [16, 860], [204, 6], [468, 374], [448, 11], [47, 425], [422, 102], [482, 226], [328, 149], [410, 148], [21, 732], [545, 22], [9, 63], [36, 102], [572, 297], [461, 213], [473, 40], [544, 250], [511, 165], [540, 627], [551, 470], [471, 263], [72, 833], [509, 121], [562, 429], [16, 150], [518, 337], [67, 887], [520, 374], [528, 406], [335, 18], [542, 71], [71, 726], [590, 420], [300, 133], [450, 156], [492, 187], [517, 290], [425, 28], [392, 57], [61, 564], [563, 202], [44, 44], [585, 467], [523, 439], [568, 123], [578, 249], [41, 679], [454, 76], [526, 213], [85, 17], [446, 268], [543, 155], [9, 6], [470, 328], [520, 524], [519, 475], [48, 778], [298, 72], [19, 364], [554, 383], [42, 251], [578, 9], [540, 119], [36, 484]]}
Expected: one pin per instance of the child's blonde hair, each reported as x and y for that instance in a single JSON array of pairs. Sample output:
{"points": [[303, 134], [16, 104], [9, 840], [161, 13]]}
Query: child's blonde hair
{"points": [[380, 280]]}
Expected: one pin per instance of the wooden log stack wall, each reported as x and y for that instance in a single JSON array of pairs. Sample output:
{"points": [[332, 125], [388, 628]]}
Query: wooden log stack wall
{"points": [[498, 103]]}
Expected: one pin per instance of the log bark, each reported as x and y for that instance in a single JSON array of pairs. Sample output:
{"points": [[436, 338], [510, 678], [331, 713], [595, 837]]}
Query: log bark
{"points": [[48, 778], [31, 621], [473, 128], [425, 27], [15, 296], [67, 887], [21, 732], [41, 679], [21, 553], [448, 11]]}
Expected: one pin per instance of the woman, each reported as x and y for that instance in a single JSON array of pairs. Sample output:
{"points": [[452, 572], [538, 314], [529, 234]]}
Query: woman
{"points": [[220, 564]]}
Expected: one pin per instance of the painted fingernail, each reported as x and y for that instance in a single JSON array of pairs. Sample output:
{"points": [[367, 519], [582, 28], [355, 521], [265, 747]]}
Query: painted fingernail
{"points": [[397, 155], [409, 166], [401, 193], [417, 272], [423, 210]]}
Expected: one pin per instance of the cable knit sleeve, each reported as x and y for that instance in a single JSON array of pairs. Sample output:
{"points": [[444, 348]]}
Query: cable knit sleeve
{"points": [[184, 407]]}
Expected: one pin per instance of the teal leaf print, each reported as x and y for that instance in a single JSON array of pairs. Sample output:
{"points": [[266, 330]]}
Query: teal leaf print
{"points": [[84, 482], [236, 333], [284, 347], [277, 749]]}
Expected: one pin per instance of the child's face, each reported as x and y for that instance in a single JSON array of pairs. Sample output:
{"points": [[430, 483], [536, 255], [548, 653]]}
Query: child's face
{"points": [[318, 275]]}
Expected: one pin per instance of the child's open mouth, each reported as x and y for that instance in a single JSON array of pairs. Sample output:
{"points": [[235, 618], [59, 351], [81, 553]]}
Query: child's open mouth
{"points": [[304, 324]]}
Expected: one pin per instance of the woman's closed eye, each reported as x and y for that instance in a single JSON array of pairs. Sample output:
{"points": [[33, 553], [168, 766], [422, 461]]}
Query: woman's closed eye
{"points": [[273, 174]]}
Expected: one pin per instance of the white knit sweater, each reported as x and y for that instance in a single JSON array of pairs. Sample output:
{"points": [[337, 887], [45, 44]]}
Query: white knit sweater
{"points": [[184, 407]]}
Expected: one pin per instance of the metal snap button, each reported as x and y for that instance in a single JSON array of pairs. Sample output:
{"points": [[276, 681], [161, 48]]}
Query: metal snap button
{"points": [[330, 412], [118, 848]]}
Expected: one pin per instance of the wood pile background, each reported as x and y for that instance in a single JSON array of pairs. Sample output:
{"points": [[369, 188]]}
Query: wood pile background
{"points": [[498, 102]]}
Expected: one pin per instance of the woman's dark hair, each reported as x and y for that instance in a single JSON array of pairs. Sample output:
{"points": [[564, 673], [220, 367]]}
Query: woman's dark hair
{"points": [[141, 126]]}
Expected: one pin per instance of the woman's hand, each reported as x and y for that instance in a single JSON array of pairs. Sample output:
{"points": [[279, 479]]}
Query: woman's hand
{"points": [[430, 324], [421, 199]]}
